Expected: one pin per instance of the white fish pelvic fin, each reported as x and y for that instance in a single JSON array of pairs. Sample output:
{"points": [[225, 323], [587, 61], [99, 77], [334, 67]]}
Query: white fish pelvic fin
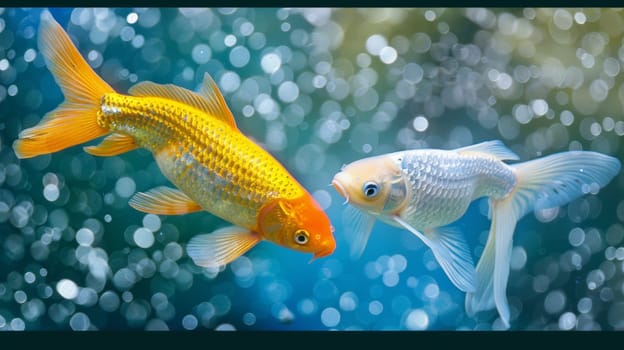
{"points": [[492, 271], [541, 183], [358, 227], [451, 252]]}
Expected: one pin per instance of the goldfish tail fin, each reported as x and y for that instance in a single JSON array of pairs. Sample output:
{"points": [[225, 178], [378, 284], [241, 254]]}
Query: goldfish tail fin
{"points": [[541, 183], [75, 120]]}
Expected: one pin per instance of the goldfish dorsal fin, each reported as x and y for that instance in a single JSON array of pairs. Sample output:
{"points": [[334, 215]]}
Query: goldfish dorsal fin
{"points": [[210, 91], [113, 145], [176, 93], [165, 201], [493, 148], [221, 246]]}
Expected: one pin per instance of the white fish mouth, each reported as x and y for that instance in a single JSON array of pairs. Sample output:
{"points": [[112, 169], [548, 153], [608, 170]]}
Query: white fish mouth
{"points": [[341, 190]]}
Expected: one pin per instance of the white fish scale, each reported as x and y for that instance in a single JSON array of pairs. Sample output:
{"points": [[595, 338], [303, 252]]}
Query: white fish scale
{"points": [[443, 183]]}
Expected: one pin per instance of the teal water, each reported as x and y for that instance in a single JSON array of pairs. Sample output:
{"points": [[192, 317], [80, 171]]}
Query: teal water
{"points": [[318, 88]]}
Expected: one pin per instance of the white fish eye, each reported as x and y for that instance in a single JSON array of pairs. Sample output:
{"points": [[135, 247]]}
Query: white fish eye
{"points": [[301, 237], [370, 189]]}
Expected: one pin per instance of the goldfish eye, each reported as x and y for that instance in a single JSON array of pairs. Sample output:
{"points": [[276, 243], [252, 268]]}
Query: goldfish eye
{"points": [[301, 237], [370, 189]]}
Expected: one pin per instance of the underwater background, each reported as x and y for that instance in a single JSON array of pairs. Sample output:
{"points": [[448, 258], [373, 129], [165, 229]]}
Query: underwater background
{"points": [[318, 88]]}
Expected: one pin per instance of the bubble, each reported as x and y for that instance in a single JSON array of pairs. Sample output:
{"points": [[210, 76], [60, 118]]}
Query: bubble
{"points": [[420, 123], [576, 237], [189, 322], [307, 306], [17, 324], [29, 277], [143, 237], [539, 106], [85, 237], [432, 290], [330, 317], [554, 302], [132, 18], [230, 81], [417, 319], [413, 73], [151, 222], [270, 63], [388, 55], [249, 319], [20, 296], [67, 288], [562, 19], [125, 187], [375, 307], [109, 301], [518, 258], [225, 327], [239, 56], [599, 90], [567, 321], [323, 198], [288, 91]]}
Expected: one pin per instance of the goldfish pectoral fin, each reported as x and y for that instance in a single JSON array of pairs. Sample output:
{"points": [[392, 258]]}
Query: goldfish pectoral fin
{"points": [[451, 252], [221, 246], [113, 145], [164, 201], [358, 227], [494, 148]]}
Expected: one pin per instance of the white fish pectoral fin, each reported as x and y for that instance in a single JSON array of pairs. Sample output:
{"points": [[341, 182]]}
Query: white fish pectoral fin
{"points": [[451, 252], [164, 201], [221, 246], [358, 227], [494, 148]]}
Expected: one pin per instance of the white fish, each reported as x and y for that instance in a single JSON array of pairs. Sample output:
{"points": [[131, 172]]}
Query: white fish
{"points": [[424, 190]]}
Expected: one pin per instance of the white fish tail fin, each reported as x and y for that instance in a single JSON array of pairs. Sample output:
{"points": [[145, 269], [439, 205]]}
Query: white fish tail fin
{"points": [[75, 120], [541, 183], [451, 252]]}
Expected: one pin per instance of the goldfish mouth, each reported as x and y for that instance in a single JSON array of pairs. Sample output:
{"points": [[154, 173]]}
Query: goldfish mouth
{"points": [[323, 253], [341, 190]]}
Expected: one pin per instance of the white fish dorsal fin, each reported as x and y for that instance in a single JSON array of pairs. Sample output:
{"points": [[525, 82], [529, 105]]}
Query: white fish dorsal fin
{"points": [[209, 100], [164, 201], [358, 227], [113, 145], [493, 148], [451, 252], [221, 246]]}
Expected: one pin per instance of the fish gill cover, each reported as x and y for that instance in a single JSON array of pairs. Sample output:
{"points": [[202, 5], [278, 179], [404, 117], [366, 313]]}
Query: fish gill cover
{"points": [[318, 88]]}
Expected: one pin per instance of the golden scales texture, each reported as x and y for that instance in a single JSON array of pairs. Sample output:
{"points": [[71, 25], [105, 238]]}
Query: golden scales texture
{"points": [[211, 161]]}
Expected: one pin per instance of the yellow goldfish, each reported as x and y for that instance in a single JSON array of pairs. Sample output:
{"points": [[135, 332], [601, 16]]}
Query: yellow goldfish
{"points": [[424, 190], [197, 146]]}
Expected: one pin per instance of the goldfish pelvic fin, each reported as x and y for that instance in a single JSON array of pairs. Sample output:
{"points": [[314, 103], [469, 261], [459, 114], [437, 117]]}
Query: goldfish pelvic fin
{"points": [[75, 120], [358, 227], [493, 148], [164, 201], [209, 99], [113, 145], [451, 252], [221, 246]]}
